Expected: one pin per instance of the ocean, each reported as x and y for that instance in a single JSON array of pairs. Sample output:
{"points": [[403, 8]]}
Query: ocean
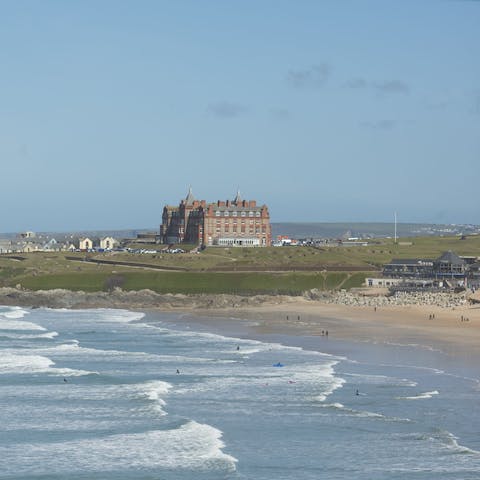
{"points": [[113, 394]]}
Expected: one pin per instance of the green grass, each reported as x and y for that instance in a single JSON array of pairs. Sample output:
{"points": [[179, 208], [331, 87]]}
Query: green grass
{"points": [[88, 282], [355, 280], [227, 270], [191, 282]]}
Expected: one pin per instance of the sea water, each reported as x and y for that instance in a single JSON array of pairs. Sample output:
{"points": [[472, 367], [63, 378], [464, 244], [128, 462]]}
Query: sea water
{"points": [[114, 394]]}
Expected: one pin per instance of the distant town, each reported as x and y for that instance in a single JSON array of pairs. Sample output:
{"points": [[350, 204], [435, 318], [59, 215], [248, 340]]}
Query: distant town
{"points": [[233, 223], [144, 239], [193, 225]]}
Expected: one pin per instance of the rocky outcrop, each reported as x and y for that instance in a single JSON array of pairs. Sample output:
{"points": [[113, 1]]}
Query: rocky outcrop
{"points": [[444, 300], [148, 299], [142, 299]]}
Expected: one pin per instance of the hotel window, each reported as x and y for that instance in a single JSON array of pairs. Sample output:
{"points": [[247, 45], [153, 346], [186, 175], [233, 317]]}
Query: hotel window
{"points": [[226, 214], [243, 214], [217, 213], [234, 214], [257, 214], [251, 214]]}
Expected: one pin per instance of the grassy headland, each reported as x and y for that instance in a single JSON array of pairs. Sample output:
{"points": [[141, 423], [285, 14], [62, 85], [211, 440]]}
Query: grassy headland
{"points": [[245, 271]]}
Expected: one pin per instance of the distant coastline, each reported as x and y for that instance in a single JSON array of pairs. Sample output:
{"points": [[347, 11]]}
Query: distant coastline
{"points": [[445, 321]]}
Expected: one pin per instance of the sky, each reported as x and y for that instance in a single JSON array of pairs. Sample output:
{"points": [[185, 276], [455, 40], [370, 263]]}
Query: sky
{"points": [[323, 110]]}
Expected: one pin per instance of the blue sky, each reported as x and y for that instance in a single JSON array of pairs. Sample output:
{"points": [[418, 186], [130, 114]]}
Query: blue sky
{"points": [[324, 110]]}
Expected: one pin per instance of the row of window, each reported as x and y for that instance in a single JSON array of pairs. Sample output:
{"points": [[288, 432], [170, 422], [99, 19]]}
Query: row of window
{"points": [[234, 222], [226, 213], [243, 229]]}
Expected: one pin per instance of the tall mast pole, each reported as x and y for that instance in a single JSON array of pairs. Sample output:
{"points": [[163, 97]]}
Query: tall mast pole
{"points": [[395, 217]]}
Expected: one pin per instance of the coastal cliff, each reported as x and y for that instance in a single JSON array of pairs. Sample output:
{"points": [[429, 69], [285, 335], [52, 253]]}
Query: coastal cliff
{"points": [[141, 299], [147, 299]]}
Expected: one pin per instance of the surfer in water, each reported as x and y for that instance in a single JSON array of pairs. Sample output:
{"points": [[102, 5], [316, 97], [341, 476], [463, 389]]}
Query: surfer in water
{"points": [[65, 380]]}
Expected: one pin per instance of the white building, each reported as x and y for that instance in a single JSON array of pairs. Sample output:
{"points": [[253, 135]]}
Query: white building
{"points": [[107, 243], [85, 244]]}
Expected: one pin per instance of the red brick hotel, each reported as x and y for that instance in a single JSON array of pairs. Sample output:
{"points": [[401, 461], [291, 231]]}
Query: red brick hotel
{"points": [[230, 223]]}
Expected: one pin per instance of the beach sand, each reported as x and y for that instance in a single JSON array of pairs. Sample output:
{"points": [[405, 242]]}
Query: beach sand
{"points": [[435, 327]]}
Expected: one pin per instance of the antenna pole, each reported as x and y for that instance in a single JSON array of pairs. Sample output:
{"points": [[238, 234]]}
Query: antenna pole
{"points": [[395, 216]]}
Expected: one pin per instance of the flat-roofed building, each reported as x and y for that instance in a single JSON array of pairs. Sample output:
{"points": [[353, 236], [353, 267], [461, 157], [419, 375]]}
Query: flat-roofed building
{"points": [[233, 223], [409, 267]]}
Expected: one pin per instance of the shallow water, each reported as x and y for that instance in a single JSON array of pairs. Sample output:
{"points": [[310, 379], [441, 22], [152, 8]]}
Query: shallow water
{"points": [[96, 394]]}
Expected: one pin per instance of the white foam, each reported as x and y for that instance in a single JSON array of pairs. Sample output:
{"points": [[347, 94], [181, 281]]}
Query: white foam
{"points": [[451, 442], [192, 446], [24, 336], [350, 412], [445, 439], [9, 324], [73, 347], [96, 315], [15, 312], [121, 316], [320, 376], [382, 380], [153, 391], [22, 364], [420, 396], [12, 363]]}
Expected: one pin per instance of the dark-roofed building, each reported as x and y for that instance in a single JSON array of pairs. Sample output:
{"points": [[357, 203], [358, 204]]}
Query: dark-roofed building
{"points": [[234, 222], [450, 265]]}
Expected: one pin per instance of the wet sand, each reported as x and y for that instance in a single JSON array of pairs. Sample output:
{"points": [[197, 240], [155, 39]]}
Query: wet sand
{"points": [[435, 327]]}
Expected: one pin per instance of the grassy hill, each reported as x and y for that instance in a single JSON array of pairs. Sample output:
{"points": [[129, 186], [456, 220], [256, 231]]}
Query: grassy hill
{"points": [[286, 270]]}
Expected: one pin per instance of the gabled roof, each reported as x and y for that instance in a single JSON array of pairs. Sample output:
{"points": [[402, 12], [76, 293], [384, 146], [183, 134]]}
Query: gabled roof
{"points": [[451, 258], [189, 198]]}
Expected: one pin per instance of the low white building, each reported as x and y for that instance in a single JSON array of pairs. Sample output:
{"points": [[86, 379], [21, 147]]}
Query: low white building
{"points": [[237, 242], [107, 243], [85, 244], [382, 282]]}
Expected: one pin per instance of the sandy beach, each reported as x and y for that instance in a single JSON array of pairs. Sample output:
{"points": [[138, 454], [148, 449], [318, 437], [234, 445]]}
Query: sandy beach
{"points": [[422, 325], [454, 329]]}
